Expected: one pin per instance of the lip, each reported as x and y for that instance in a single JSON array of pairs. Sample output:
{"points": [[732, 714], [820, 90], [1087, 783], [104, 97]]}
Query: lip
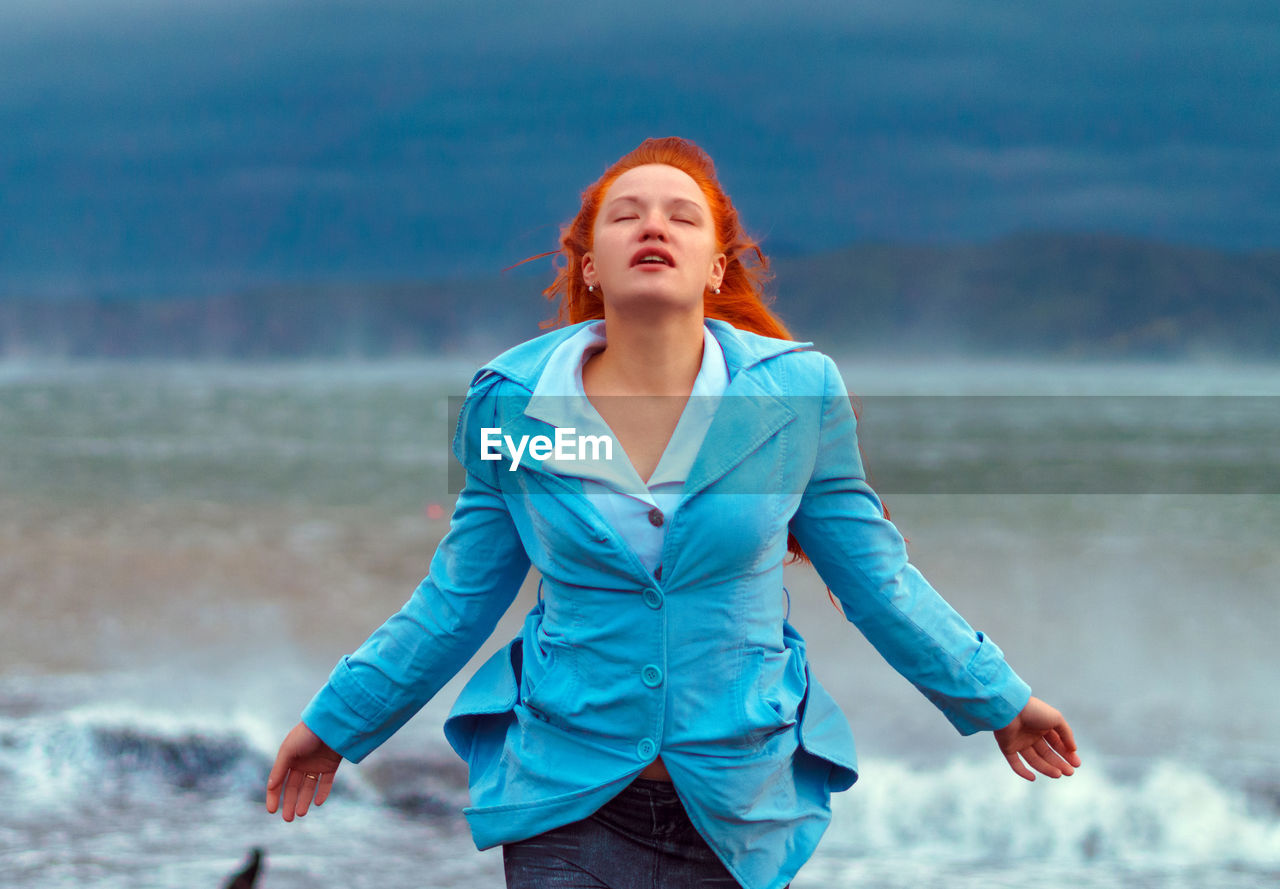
{"points": [[653, 251]]}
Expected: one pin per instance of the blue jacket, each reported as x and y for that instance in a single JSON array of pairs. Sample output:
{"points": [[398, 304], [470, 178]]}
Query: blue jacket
{"points": [[615, 667]]}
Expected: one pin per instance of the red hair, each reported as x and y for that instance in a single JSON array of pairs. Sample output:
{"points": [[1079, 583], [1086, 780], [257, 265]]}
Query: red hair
{"points": [[741, 301]]}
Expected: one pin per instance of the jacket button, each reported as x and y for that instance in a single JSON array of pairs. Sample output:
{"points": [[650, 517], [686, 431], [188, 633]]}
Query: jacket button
{"points": [[646, 749], [655, 517], [651, 676], [652, 598]]}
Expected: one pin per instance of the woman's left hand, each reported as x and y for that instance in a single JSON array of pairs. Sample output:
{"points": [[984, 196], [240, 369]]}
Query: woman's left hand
{"points": [[1040, 735]]}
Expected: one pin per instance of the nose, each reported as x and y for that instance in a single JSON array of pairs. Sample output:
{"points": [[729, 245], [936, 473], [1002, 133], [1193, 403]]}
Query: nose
{"points": [[655, 227]]}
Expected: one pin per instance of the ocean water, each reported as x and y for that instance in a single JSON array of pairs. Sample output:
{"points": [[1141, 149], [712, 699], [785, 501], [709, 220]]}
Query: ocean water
{"points": [[185, 551]]}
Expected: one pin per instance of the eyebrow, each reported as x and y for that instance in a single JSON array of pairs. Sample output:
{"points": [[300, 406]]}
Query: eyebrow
{"points": [[674, 202]]}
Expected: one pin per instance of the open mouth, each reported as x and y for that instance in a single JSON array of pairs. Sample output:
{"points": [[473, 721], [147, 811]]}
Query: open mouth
{"points": [[654, 256]]}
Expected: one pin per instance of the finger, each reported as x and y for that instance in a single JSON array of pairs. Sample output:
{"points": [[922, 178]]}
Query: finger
{"points": [[1037, 762], [1018, 768], [278, 770], [306, 792], [326, 784], [291, 785], [1060, 747], [1064, 732], [1052, 758]]}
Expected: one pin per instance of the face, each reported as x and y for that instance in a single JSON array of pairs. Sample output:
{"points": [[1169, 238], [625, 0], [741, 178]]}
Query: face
{"points": [[654, 240]]}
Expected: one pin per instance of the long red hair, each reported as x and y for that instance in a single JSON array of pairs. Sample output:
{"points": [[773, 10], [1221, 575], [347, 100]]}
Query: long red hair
{"points": [[741, 301]]}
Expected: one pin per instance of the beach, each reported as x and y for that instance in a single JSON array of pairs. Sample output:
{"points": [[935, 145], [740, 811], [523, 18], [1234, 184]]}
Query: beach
{"points": [[186, 550]]}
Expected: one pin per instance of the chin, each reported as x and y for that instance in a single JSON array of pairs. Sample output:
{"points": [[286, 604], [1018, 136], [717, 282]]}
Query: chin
{"points": [[655, 301]]}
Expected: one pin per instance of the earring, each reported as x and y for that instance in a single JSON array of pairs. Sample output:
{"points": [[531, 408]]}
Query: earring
{"points": [[591, 288], [717, 290]]}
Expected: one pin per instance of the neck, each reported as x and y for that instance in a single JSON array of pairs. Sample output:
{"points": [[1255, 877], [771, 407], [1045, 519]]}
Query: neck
{"points": [[653, 355]]}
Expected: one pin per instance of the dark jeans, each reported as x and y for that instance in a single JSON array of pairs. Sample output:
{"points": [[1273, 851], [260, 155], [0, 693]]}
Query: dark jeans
{"points": [[641, 839]]}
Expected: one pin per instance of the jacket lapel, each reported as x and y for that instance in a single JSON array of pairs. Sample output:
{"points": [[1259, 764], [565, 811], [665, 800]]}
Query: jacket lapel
{"points": [[745, 419], [751, 410]]}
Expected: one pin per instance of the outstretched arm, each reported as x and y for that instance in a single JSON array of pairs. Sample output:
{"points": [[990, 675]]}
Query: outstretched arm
{"points": [[1041, 737], [474, 576], [862, 558]]}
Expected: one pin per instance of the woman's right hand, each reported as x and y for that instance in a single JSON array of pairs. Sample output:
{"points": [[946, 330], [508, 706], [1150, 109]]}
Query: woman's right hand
{"points": [[304, 770]]}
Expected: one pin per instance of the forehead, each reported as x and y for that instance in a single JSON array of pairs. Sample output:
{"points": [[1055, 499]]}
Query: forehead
{"points": [[656, 182]]}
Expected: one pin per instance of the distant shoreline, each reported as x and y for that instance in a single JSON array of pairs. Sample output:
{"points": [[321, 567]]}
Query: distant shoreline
{"points": [[1060, 296]]}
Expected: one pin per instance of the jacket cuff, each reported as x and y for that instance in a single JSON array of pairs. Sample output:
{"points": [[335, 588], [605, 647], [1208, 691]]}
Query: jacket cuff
{"points": [[1002, 696], [344, 715]]}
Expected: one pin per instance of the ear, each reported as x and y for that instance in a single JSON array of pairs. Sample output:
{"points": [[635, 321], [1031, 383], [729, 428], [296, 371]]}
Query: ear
{"points": [[718, 266], [588, 269]]}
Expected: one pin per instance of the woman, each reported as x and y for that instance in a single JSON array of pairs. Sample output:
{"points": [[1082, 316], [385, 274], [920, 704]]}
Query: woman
{"points": [[655, 723]]}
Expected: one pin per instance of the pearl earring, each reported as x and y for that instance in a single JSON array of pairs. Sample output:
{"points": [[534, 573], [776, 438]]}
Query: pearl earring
{"points": [[591, 288], [717, 290]]}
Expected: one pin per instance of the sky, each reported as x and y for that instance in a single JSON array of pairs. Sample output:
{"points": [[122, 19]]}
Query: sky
{"points": [[155, 147]]}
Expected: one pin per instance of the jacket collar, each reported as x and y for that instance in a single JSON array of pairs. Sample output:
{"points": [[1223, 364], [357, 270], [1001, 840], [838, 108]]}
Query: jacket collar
{"points": [[523, 364], [746, 422]]}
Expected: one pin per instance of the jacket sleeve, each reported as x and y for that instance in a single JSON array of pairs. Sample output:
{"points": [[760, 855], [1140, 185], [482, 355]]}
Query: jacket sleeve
{"points": [[473, 578], [862, 557]]}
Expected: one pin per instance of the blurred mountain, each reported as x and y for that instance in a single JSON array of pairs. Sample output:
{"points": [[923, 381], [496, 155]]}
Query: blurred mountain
{"points": [[1070, 295], [1064, 295]]}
